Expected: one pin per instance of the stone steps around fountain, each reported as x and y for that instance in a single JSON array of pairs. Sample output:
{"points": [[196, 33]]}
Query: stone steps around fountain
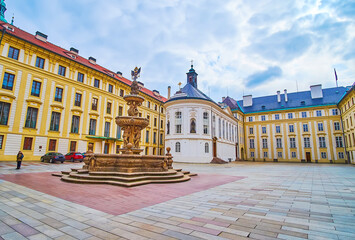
{"points": [[182, 178], [134, 174]]}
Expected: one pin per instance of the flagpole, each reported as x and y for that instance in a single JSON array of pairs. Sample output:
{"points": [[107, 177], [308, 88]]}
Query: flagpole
{"points": [[336, 77]]}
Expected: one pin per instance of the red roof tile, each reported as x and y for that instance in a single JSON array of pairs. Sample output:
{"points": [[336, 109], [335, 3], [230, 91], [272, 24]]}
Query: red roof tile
{"points": [[64, 53]]}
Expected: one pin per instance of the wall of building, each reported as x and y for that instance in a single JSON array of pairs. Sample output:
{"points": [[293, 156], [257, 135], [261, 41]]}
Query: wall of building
{"points": [[15, 132]]}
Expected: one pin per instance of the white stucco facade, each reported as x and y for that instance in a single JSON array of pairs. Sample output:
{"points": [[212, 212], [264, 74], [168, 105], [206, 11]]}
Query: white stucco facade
{"points": [[212, 124]]}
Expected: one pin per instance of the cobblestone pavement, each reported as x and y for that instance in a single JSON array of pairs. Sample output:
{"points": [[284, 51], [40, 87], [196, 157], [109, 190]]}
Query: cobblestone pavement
{"points": [[274, 201]]}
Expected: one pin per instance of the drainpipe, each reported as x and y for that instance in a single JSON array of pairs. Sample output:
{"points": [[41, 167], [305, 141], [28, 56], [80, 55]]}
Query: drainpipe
{"points": [[344, 141]]}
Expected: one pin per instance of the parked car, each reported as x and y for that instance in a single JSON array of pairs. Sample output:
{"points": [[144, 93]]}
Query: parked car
{"points": [[72, 156], [52, 157]]}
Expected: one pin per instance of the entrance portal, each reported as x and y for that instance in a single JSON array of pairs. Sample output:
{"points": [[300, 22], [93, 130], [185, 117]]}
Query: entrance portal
{"points": [[308, 157], [242, 153], [214, 147]]}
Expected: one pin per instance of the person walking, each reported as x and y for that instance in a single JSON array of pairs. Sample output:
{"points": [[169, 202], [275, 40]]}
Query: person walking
{"points": [[19, 159]]}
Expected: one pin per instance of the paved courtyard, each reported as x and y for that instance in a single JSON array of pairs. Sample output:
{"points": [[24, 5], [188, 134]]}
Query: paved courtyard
{"points": [[232, 201]]}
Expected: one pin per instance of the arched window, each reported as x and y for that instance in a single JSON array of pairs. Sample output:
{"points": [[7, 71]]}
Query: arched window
{"points": [[178, 122], [168, 127], [219, 128], [213, 126], [177, 147], [193, 125], [205, 123], [207, 148]]}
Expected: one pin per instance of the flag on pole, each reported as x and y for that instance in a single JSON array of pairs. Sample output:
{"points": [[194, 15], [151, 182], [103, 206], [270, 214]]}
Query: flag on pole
{"points": [[336, 77]]}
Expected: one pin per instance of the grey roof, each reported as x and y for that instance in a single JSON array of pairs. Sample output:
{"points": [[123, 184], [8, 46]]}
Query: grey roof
{"points": [[295, 100], [190, 93]]}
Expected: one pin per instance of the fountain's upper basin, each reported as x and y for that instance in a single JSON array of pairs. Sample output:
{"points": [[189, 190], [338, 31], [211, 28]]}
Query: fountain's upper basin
{"points": [[124, 121]]}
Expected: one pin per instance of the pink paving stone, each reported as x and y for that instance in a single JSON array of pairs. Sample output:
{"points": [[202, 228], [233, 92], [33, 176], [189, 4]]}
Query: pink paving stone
{"points": [[200, 229], [204, 220], [24, 229], [116, 199]]}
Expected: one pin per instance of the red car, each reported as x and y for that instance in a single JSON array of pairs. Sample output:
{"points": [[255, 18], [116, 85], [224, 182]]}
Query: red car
{"points": [[74, 156]]}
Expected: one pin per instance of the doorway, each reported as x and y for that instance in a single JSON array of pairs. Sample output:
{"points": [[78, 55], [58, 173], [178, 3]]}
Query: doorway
{"points": [[214, 147], [236, 152], [242, 153], [107, 148], [308, 157]]}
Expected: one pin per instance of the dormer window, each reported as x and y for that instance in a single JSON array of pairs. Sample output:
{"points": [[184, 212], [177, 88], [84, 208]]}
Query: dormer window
{"points": [[303, 103], [263, 107]]}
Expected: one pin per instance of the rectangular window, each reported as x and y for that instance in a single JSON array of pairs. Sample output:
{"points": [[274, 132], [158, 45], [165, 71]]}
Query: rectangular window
{"points": [[55, 119], [61, 70], [250, 119], [72, 146], [290, 115], [161, 124], [77, 99], [155, 122], [148, 104], [178, 122], [8, 82], [108, 108], [277, 116], [341, 155], [155, 107], [13, 53], [40, 62], [94, 104], [1, 140], [52, 145], [336, 126], [320, 127], [118, 132], [147, 136], [31, 118], [304, 114], [263, 130], [291, 128], [80, 77], [154, 137], [339, 142], [305, 127], [319, 113], [307, 143], [36, 88], [335, 111], [251, 143], [92, 127], [264, 143], [324, 155], [110, 88], [121, 92], [4, 112], [58, 94], [292, 142], [322, 142], [161, 139], [263, 118], [278, 143], [107, 129], [97, 83], [251, 154], [27, 143], [279, 154], [278, 129], [265, 154], [75, 124], [251, 130], [120, 111], [293, 154], [206, 122]]}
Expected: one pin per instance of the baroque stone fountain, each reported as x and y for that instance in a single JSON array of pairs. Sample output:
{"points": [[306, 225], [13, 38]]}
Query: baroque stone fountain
{"points": [[129, 168]]}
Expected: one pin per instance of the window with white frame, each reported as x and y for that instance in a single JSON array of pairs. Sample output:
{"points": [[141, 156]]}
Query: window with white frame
{"points": [[219, 128], [319, 113], [291, 128], [206, 148], [251, 143], [335, 111], [177, 147], [251, 154], [263, 118], [305, 127], [278, 129], [213, 126], [292, 142], [289, 115], [320, 127], [278, 143], [263, 130], [205, 122], [341, 155], [279, 154], [264, 142], [307, 143], [251, 130], [322, 142], [339, 141], [304, 114], [178, 122], [265, 154], [293, 154], [323, 155], [250, 119], [336, 126], [277, 116]]}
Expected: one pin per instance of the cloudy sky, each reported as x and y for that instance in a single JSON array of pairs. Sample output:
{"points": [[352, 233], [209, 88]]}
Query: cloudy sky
{"points": [[238, 47]]}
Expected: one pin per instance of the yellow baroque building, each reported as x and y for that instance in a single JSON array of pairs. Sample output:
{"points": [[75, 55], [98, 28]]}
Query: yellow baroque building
{"points": [[52, 99], [296, 127], [347, 108]]}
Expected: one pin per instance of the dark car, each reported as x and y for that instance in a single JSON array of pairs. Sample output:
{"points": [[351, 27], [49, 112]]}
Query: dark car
{"points": [[72, 156], [52, 157]]}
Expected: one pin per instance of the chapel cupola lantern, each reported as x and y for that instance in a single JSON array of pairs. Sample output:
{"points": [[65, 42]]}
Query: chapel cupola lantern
{"points": [[192, 76]]}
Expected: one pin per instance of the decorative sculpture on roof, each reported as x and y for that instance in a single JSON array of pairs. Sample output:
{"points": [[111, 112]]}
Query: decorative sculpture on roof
{"points": [[135, 74]]}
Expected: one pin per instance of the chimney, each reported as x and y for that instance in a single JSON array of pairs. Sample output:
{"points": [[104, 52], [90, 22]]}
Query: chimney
{"points": [[278, 96], [286, 99], [41, 36], [119, 73], [247, 101], [92, 60], [140, 84], [74, 50], [223, 98], [316, 91], [169, 92]]}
